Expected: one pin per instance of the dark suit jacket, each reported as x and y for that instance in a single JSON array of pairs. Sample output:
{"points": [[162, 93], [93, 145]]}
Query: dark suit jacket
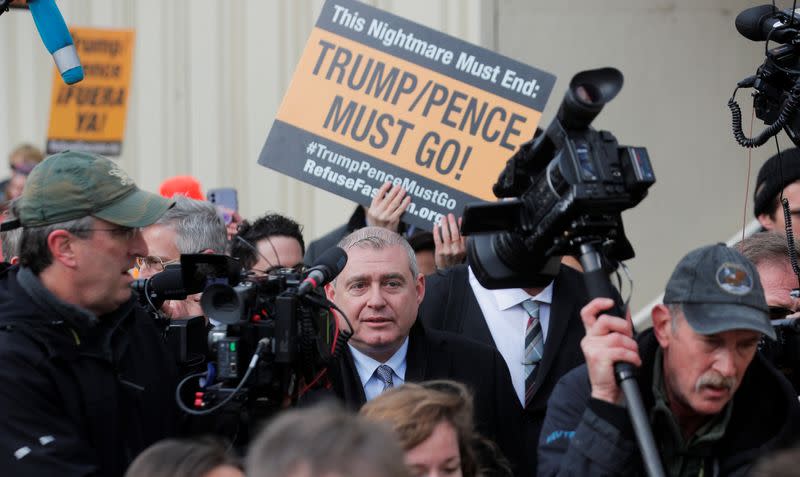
{"points": [[451, 305], [439, 355], [329, 240]]}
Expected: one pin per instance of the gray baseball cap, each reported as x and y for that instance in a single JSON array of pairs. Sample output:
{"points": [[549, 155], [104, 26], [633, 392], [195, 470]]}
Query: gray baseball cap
{"points": [[719, 290]]}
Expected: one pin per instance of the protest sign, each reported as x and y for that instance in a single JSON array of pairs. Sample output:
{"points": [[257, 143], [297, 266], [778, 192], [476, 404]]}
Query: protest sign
{"points": [[90, 115], [378, 98]]}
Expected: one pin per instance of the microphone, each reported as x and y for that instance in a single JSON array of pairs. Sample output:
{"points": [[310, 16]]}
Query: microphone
{"points": [[755, 24], [56, 38], [328, 265]]}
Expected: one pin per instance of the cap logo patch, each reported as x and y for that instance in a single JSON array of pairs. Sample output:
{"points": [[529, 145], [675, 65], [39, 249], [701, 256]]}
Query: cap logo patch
{"points": [[124, 178], [734, 278]]}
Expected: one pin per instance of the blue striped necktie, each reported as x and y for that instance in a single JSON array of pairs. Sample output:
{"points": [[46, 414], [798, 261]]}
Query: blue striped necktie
{"points": [[384, 374], [534, 346]]}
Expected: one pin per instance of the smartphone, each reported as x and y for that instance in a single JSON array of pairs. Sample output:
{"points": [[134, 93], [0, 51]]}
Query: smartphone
{"points": [[226, 200]]}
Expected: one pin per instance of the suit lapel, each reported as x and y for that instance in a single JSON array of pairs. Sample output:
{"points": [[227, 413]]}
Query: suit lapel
{"points": [[475, 326], [465, 310], [347, 384], [417, 361]]}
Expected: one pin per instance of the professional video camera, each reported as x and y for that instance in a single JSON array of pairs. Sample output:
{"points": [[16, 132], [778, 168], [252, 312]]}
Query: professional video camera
{"points": [[776, 84], [275, 338], [186, 338], [571, 184], [784, 352], [567, 189]]}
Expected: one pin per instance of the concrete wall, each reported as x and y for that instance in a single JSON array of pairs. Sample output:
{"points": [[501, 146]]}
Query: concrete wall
{"points": [[681, 60], [209, 77]]}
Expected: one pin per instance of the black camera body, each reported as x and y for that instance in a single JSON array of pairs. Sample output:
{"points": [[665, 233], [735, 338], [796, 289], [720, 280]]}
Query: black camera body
{"points": [[773, 83], [569, 186], [300, 335], [776, 84], [273, 336]]}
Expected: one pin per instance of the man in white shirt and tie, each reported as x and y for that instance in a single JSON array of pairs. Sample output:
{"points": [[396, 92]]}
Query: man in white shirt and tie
{"points": [[538, 349]]}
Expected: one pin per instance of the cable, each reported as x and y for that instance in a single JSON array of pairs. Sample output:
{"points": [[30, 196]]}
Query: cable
{"points": [[262, 344], [342, 336], [254, 249], [308, 386], [325, 303], [787, 220], [787, 111]]}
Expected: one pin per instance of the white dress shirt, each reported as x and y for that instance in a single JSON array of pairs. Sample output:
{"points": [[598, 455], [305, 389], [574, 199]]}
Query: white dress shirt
{"points": [[366, 366], [507, 321]]}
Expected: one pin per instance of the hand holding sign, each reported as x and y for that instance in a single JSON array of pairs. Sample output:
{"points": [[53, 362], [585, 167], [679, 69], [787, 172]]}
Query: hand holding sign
{"points": [[387, 206], [450, 248]]}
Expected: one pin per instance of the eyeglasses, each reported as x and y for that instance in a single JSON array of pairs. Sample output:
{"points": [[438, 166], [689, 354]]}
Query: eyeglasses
{"points": [[156, 264], [299, 268], [126, 233]]}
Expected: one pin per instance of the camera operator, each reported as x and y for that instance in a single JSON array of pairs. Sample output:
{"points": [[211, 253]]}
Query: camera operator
{"points": [[769, 252], [778, 177], [192, 226], [714, 404], [458, 303], [86, 382], [270, 242]]}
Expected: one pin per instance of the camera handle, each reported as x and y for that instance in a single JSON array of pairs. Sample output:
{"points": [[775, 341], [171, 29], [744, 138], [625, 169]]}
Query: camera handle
{"points": [[599, 286]]}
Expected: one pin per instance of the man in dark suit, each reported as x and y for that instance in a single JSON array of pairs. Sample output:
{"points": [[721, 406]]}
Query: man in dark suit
{"points": [[456, 302], [380, 290]]}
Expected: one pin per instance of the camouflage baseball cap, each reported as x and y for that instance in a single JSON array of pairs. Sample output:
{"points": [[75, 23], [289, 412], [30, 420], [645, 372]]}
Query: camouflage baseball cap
{"points": [[71, 185]]}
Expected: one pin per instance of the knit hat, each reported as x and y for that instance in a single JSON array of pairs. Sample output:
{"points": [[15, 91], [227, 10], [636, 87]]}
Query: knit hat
{"points": [[183, 185], [772, 179]]}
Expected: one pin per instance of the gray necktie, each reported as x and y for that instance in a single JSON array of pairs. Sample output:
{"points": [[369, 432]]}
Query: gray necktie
{"points": [[384, 373], [534, 346]]}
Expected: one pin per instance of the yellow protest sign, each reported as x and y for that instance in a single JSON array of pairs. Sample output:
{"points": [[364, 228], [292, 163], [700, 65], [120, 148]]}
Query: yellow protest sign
{"points": [[377, 98], [90, 115]]}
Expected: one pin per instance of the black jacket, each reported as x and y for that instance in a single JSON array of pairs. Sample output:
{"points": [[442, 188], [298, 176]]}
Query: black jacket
{"points": [[450, 305], [79, 395], [437, 355], [585, 437]]}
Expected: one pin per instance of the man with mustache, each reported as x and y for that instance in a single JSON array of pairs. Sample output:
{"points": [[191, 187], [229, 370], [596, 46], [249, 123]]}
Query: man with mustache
{"points": [[714, 405]]}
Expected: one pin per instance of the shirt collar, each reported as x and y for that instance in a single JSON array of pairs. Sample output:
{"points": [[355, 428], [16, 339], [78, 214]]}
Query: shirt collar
{"points": [[510, 297], [366, 365]]}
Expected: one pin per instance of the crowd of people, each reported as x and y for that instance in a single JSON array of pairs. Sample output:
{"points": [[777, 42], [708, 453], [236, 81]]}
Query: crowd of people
{"points": [[441, 376]]}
